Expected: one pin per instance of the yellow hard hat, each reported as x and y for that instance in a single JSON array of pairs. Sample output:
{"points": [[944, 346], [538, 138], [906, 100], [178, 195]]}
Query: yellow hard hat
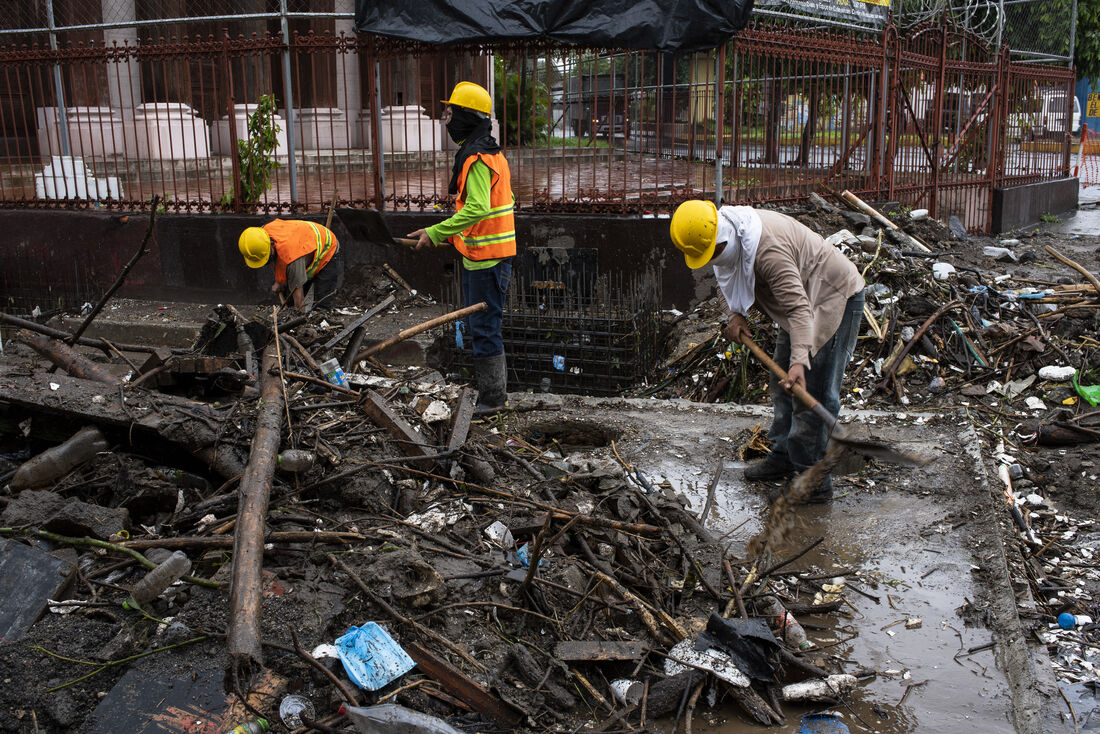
{"points": [[255, 245], [694, 229], [472, 96]]}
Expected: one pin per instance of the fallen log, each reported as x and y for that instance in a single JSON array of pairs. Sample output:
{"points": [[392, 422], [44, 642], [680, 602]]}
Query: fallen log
{"points": [[63, 356], [243, 629], [187, 423]]}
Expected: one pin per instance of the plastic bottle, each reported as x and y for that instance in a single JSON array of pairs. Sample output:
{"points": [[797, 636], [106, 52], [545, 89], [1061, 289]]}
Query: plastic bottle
{"points": [[334, 373], [296, 460], [1068, 621], [787, 627], [256, 726], [389, 718], [57, 461], [159, 579]]}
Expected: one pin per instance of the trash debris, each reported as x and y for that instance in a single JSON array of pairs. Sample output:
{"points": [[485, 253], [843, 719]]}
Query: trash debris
{"points": [[371, 657], [391, 718]]}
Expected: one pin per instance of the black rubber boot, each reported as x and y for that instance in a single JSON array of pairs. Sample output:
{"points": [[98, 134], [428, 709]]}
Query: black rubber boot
{"points": [[768, 470], [492, 384]]}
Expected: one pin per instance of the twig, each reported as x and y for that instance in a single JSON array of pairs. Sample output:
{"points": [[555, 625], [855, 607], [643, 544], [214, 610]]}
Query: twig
{"points": [[110, 663], [1076, 266], [279, 361], [348, 695], [121, 274], [94, 543], [772, 569]]}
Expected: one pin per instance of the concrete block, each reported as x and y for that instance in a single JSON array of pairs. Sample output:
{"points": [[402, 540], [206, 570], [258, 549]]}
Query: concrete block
{"points": [[29, 578], [1021, 206]]}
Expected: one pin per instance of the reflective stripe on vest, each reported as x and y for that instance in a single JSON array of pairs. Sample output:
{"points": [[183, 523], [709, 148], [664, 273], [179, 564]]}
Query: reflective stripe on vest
{"points": [[320, 257], [494, 235]]}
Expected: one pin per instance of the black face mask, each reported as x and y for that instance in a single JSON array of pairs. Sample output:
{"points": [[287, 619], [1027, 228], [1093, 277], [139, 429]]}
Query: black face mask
{"points": [[473, 133], [462, 123]]}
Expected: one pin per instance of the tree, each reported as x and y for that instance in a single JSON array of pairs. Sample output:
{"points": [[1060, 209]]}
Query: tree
{"points": [[1086, 56]]}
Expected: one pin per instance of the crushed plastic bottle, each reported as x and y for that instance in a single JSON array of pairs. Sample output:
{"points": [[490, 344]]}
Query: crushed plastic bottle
{"points": [[334, 373], [296, 460], [157, 580], [256, 726], [787, 627], [57, 461], [391, 718]]}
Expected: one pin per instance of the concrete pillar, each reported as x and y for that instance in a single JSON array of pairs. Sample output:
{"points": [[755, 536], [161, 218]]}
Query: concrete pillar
{"points": [[124, 78], [348, 96]]}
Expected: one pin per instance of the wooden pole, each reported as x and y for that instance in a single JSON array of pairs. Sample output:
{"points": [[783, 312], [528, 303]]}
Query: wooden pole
{"points": [[63, 356], [243, 630], [414, 330]]}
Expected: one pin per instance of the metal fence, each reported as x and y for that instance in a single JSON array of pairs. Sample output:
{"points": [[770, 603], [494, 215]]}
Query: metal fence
{"points": [[111, 117]]}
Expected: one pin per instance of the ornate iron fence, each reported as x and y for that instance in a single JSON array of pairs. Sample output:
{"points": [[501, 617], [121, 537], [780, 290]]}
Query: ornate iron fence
{"points": [[935, 119]]}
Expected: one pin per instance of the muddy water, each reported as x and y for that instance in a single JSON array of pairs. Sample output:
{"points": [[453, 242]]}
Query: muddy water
{"points": [[898, 531]]}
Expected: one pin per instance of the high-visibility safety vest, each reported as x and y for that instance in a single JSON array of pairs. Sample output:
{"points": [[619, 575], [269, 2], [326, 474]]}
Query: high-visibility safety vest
{"points": [[494, 236], [295, 238]]}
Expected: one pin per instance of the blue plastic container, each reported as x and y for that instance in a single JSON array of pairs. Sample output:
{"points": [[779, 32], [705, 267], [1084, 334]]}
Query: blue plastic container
{"points": [[826, 723], [371, 657]]}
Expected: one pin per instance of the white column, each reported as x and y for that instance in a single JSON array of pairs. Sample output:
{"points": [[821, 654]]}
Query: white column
{"points": [[124, 78], [348, 96]]}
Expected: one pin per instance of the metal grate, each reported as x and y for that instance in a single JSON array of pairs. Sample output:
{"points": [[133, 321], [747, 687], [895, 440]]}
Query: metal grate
{"points": [[566, 324]]}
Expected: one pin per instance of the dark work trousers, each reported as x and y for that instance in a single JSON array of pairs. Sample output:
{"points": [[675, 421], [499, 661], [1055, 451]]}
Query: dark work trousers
{"points": [[491, 286], [326, 283], [799, 438]]}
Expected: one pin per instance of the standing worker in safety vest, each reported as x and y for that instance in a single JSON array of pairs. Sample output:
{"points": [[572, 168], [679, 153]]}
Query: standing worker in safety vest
{"points": [[307, 257], [483, 230]]}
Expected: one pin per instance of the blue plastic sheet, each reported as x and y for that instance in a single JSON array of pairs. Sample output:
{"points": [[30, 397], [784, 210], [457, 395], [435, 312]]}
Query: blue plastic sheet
{"points": [[826, 723], [371, 657]]}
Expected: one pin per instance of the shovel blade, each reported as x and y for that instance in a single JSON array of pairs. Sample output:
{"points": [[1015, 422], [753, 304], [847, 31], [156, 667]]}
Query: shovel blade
{"points": [[365, 225]]}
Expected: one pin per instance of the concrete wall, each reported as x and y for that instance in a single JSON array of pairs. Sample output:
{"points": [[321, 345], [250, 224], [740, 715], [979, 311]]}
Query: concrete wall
{"points": [[1022, 206], [53, 259]]}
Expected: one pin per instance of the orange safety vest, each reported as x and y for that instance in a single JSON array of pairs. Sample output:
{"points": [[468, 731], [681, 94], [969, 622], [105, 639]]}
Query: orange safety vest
{"points": [[294, 238], [494, 236]]}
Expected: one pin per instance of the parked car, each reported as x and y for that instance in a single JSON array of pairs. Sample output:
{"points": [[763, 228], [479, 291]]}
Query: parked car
{"points": [[1043, 116], [605, 128]]}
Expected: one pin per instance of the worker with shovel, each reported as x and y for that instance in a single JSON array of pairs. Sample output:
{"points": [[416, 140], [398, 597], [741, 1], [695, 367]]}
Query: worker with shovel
{"points": [[811, 290], [483, 230], [307, 257]]}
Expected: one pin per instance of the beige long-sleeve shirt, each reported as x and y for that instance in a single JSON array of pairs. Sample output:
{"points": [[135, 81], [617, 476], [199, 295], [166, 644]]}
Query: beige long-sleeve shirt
{"points": [[802, 283]]}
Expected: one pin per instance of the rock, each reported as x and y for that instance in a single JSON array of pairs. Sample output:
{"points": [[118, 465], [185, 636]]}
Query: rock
{"points": [[30, 507], [868, 231], [50, 511], [958, 228], [407, 578], [64, 707], [857, 218], [897, 236], [80, 519]]}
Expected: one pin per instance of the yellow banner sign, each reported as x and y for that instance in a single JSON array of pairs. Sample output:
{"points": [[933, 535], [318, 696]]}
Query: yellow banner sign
{"points": [[1092, 107]]}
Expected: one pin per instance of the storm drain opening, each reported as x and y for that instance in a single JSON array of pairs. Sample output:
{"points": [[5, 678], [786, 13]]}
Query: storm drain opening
{"points": [[567, 327]]}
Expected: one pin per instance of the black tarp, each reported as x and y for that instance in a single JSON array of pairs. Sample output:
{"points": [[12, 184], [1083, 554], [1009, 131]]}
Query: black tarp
{"points": [[653, 25]]}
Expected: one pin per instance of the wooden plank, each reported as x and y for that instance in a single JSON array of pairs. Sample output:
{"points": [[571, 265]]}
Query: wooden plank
{"points": [[409, 441], [595, 650], [356, 324], [28, 579], [464, 413], [463, 688]]}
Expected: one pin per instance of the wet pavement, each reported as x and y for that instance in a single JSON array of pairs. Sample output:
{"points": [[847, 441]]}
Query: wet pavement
{"points": [[911, 530]]}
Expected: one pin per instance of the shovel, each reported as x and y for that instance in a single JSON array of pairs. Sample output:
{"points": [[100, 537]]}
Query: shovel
{"points": [[367, 225], [837, 434]]}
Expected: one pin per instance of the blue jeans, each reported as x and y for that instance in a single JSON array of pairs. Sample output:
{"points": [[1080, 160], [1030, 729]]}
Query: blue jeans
{"points": [[798, 436], [491, 286]]}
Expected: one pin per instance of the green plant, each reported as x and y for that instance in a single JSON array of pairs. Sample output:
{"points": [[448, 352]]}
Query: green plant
{"points": [[526, 100], [1050, 218], [255, 154]]}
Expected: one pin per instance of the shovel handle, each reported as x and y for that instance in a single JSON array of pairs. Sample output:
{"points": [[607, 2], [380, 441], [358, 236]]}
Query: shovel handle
{"points": [[799, 392], [405, 241]]}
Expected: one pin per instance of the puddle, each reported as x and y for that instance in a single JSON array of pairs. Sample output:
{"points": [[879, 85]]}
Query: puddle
{"points": [[889, 525]]}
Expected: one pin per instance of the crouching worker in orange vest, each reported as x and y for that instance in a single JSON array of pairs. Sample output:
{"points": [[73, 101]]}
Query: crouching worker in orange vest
{"points": [[483, 230], [307, 257]]}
